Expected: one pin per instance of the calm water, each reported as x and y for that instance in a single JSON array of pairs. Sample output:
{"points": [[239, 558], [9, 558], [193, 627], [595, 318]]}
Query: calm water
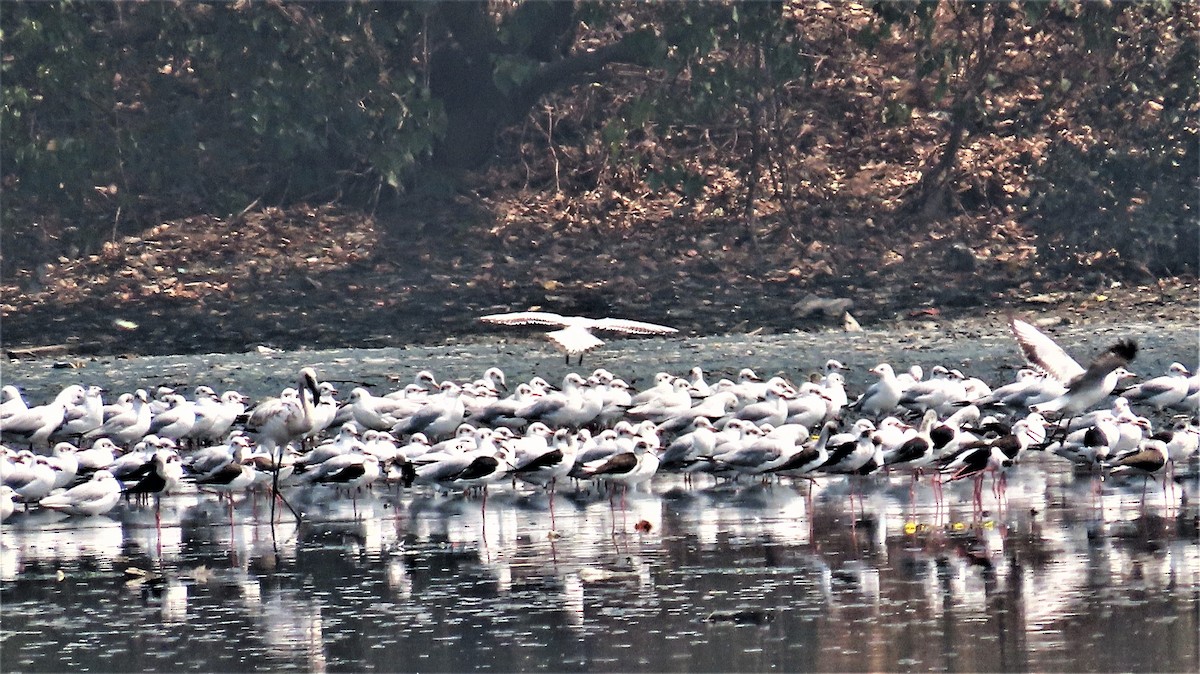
{"points": [[731, 577]]}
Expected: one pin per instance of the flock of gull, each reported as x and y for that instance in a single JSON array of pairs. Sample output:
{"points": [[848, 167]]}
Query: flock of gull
{"points": [[78, 455]]}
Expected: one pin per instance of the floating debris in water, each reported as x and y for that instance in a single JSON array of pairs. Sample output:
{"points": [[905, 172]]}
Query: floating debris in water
{"points": [[741, 617]]}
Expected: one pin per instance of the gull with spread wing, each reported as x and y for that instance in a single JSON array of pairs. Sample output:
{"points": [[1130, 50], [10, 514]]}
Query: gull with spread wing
{"points": [[1085, 387], [575, 336]]}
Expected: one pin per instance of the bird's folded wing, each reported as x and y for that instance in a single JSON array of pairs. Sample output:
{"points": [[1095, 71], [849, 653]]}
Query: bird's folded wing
{"points": [[1042, 352], [632, 327], [1149, 389], [88, 491], [75, 413], [614, 465], [525, 318], [574, 340], [1141, 459]]}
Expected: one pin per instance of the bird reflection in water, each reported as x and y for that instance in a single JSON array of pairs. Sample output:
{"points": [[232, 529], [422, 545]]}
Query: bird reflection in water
{"points": [[988, 590]]}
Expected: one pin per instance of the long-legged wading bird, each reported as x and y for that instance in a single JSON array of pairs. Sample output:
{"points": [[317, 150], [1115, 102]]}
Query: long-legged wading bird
{"points": [[276, 422], [575, 336]]}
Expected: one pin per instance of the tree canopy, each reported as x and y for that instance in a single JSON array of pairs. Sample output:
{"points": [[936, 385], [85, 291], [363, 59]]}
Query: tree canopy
{"points": [[1076, 120]]}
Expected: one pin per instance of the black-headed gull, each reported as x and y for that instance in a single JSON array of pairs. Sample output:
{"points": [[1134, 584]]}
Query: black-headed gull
{"points": [[31, 477], [574, 407], [177, 420], [214, 417], [438, 417], [11, 401], [94, 497], [129, 426], [80, 419], [575, 336], [1160, 392], [883, 396], [1085, 387], [36, 424], [6, 502]]}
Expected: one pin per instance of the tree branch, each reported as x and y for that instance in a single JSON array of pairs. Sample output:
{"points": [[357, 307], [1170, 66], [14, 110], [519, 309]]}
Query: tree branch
{"points": [[631, 48], [468, 23]]}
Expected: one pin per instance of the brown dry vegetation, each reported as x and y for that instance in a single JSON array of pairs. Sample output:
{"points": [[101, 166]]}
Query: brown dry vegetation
{"points": [[562, 221]]}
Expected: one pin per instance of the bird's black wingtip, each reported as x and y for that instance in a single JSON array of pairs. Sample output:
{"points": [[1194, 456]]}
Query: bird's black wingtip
{"points": [[1125, 348]]}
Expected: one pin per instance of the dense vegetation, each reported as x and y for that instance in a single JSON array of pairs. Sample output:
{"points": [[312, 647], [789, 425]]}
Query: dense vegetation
{"points": [[1071, 124]]}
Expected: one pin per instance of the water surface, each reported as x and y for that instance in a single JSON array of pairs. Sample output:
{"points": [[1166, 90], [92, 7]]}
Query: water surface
{"points": [[746, 577]]}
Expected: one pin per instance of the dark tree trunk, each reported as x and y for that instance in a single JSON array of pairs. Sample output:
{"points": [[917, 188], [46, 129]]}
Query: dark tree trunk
{"points": [[462, 70]]}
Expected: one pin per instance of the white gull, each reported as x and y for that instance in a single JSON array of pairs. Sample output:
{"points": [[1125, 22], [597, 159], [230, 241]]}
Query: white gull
{"points": [[575, 336], [13, 402], [177, 420], [94, 497], [1085, 387], [129, 426], [36, 424], [1160, 392], [882, 396], [80, 419], [214, 417], [574, 406]]}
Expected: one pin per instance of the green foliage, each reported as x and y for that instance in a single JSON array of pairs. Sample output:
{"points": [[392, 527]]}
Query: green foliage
{"points": [[1133, 189], [731, 53], [677, 178], [131, 113], [511, 72], [1100, 201], [173, 108]]}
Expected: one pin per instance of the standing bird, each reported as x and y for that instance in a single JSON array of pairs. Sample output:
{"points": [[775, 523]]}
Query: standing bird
{"points": [[575, 336], [995, 456], [883, 396], [575, 407], [177, 420], [165, 471], [11, 401], [626, 468], [30, 477], [1085, 387], [36, 424], [129, 426], [275, 422], [6, 502], [1089, 446], [1149, 459], [1165, 391], [214, 417], [438, 417], [80, 419]]}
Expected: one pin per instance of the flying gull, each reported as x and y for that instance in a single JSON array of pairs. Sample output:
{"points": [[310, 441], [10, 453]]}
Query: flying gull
{"points": [[575, 336]]}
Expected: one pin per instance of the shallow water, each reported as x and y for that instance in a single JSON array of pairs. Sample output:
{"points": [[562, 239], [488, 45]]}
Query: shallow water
{"points": [[707, 577], [745, 577]]}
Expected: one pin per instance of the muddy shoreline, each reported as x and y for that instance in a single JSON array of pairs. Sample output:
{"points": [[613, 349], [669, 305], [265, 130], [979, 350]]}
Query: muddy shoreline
{"points": [[981, 348]]}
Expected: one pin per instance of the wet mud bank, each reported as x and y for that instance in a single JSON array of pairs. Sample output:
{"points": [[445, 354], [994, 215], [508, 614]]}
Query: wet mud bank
{"points": [[983, 349]]}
